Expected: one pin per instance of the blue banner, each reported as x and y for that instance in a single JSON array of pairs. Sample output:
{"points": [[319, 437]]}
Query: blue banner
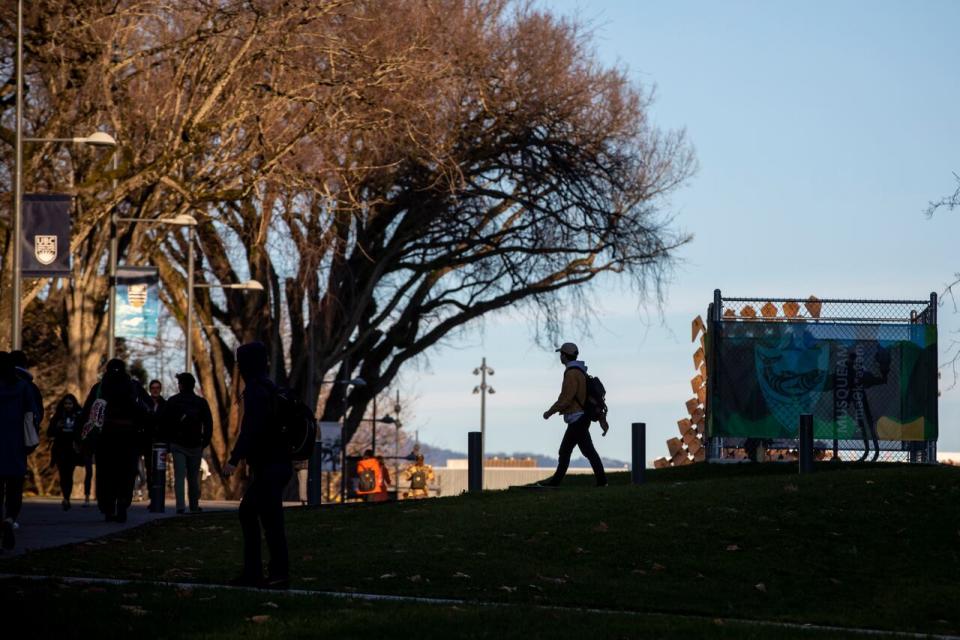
{"points": [[137, 302]]}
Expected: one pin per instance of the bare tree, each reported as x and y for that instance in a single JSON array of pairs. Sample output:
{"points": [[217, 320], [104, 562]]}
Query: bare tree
{"points": [[390, 171]]}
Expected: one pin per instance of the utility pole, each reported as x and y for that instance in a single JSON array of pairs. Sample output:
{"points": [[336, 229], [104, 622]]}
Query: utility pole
{"points": [[483, 389]]}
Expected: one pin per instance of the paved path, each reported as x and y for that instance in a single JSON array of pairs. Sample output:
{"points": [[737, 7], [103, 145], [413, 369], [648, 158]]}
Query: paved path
{"points": [[44, 523]]}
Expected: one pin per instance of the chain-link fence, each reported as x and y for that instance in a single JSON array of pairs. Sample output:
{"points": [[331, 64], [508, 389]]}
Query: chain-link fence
{"points": [[864, 369]]}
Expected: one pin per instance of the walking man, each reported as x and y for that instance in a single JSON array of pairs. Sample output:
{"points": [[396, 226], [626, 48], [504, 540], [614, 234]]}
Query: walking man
{"points": [[570, 404], [151, 435], [260, 444], [188, 424]]}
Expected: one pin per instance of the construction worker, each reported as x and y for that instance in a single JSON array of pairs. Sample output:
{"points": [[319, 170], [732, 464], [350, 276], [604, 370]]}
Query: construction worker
{"points": [[371, 481], [420, 475]]}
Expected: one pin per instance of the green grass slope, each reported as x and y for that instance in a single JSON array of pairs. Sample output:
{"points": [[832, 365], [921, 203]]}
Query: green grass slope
{"points": [[865, 546]]}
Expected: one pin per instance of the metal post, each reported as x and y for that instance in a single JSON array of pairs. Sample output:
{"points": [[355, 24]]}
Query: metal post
{"points": [[806, 443], [188, 361], [638, 449], [475, 462], [373, 439], [158, 489], [112, 301], [15, 329], [483, 409]]}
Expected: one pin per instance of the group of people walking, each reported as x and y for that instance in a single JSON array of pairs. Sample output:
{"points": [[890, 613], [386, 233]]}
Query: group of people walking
{"points": [[115, 429], [119, 421]]}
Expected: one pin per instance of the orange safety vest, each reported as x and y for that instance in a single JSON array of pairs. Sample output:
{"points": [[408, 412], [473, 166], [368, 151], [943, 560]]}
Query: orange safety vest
{"points": [[370, 464]]}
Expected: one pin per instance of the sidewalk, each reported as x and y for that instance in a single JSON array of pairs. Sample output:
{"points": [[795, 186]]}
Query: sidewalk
{"points": [[44, 523]]}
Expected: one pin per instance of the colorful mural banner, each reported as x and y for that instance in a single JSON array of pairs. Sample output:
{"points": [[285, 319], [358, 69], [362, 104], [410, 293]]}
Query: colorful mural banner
{"points": [[137, 302], [858, 380]]}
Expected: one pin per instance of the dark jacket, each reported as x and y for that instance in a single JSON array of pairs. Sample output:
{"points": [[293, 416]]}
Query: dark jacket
{"points": [[27, 377], [16, 399], [64, 430], [185, 420], [259, 443], [126, 412]]}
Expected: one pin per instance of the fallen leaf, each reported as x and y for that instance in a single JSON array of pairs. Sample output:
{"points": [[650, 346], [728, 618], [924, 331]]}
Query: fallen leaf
{"points": [[762, 588], [387, 576], [602, 527], [869, 481], [657, 566], [507, 589], [835, 581], [415, 578], [258, 619], [134, 609], [791, 488], [272, 605], [639, 571], [460, 574], [700, 576], [733, 547], [307, 558]]}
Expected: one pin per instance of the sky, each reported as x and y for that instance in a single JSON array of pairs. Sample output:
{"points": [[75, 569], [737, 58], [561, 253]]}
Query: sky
{"points": [[822, 130]]}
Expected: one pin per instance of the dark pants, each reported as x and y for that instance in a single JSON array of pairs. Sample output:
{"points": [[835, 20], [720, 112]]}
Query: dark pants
{"points": [[262, 504], [11, 496], [116, 473], [65, 469], [578, 435]]}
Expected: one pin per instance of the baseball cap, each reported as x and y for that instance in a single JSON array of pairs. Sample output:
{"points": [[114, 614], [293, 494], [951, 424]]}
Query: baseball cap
{"points": [[569, 349]]}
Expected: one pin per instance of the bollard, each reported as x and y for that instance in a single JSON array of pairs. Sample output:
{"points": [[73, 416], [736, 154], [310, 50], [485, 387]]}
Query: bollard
{"points": [[474, 462], [158, 490], [806, 443], [638, 448]]}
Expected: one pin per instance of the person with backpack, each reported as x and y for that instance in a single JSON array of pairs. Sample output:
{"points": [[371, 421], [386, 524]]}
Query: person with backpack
{"points": [[419, 475], [151, 435], [372, 480], [262, 444], [580, 402], [112, 419], [16, 417], [63, 430], [187, 423]]}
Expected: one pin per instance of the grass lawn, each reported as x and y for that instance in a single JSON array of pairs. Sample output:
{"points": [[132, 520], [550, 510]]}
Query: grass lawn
{"points": [[861, 546]]}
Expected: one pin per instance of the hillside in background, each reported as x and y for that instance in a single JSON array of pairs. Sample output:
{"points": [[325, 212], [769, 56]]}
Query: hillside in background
{"points": [[437, 457]]}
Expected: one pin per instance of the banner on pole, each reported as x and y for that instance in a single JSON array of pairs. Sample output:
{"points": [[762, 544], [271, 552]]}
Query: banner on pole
{"points": [[45, 235], [330, 443], [137, 302]]}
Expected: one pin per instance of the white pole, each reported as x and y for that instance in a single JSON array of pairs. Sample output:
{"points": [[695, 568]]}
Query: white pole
{"points": [[188, 365]]}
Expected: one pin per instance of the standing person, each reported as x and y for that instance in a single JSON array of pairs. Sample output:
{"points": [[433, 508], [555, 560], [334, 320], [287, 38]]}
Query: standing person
{"points": [[16, 414], [118, 444], [151, 435], [570, 404], [269, 462], [23, 372], [187, 423], [371, 483], [63, 430], [419, 475]]}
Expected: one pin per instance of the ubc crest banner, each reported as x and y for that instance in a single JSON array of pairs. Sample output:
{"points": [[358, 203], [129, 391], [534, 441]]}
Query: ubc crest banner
{"points": [[855, 379], [45, 235], [137, 302]]}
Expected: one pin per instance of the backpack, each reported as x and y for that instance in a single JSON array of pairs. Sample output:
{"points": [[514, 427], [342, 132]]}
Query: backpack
{"points": [[596, 402], [418, 480], [94, 426], [368, 480], [298, 427]]}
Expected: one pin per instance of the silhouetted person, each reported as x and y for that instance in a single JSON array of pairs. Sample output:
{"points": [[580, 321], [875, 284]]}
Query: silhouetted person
{"points": [[151, 434], [187, 424], [16, 410], [118, 444], [23, 372], [260, 444], [63, 430], [570, 404]]}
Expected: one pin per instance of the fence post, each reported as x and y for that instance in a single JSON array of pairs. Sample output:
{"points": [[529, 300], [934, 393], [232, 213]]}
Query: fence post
{"points": [[806, 443], [638, 448], [474, 462]]}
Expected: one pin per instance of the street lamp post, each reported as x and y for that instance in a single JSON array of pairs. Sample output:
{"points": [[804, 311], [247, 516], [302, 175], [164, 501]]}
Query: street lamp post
{"points": [[182, 220], [483, 389]]}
